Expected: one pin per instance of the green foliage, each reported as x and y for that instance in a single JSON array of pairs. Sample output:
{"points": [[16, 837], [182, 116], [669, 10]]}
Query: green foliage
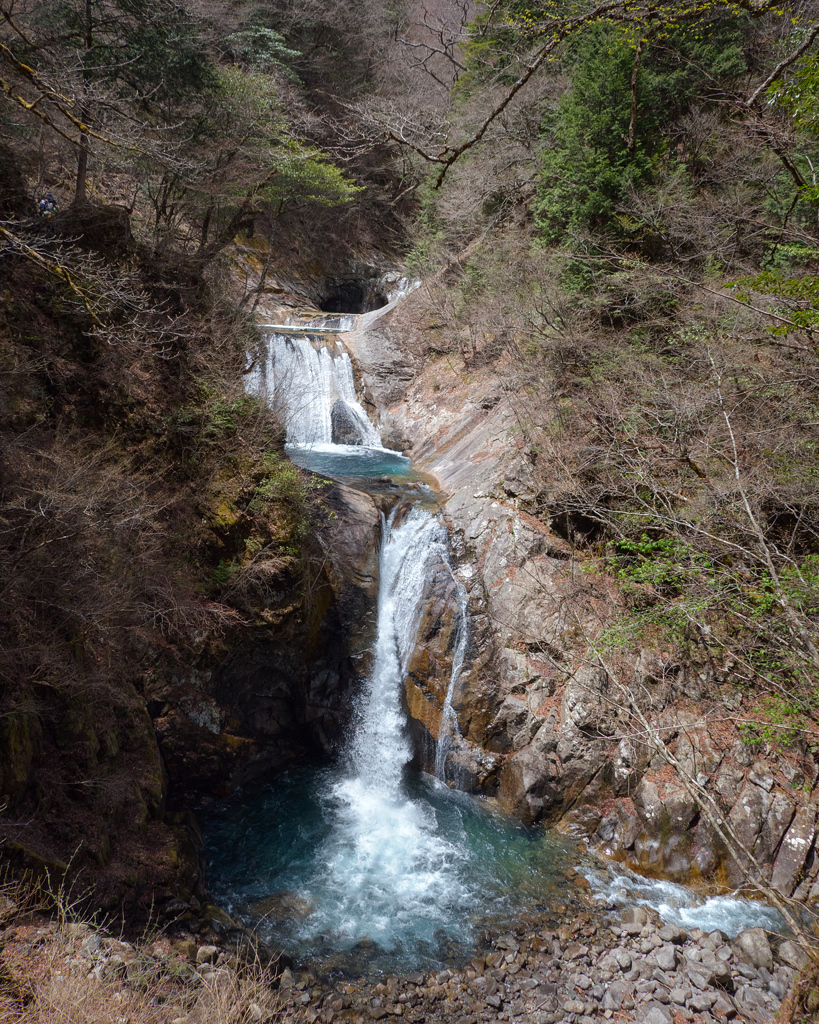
{"points": [[682, 597], [247, 113], [283, 486], [263, 49], [799, 96], [150, 49], [780, 719], [495, 44], [588, 166], [799, 292], [594, 153], [306, 174], [223, 571]]}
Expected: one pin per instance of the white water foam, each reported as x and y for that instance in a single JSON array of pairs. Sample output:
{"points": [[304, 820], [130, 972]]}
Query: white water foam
{"points": [[678, 905], [388, 864]]}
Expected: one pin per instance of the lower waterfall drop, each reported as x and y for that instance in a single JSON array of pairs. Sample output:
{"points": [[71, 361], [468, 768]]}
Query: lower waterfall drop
{"points": [[392, 868], [370, 864]]}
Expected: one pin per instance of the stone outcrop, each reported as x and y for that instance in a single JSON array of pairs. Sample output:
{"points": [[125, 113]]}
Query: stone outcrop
{"points": [[287, 693], [344, 427], [568, 739]]}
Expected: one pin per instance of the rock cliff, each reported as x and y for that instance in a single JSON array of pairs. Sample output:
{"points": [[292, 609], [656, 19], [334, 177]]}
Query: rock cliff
{"points": [[614, 749]]}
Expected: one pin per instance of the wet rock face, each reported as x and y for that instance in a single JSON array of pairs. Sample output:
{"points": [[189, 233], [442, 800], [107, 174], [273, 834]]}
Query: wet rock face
{"points": [[344, 427], [14, 198], [351, 540], [120, 820], [563, 736], [441, 641], [286, 694]]}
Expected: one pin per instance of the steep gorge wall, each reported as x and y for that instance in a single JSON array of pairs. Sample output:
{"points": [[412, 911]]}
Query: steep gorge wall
{"points": [[562, 735], [142, 757]]}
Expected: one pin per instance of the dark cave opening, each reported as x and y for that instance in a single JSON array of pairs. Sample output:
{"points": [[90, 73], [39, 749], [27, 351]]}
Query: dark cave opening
{"points": [[353, 297]]}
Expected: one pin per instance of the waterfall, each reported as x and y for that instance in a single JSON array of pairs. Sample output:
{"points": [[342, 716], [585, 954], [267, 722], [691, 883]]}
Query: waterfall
{"points": [[313, 389], [449, 720], [380, 748], [392, 865]]}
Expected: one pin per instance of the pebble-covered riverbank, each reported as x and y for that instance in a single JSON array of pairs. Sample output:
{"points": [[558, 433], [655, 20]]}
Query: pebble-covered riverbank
{"points": [[633, 967], [626, 965]]}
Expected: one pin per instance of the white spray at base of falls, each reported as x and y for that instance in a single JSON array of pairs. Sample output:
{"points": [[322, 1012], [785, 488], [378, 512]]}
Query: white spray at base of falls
{"points": [[303, 382], [392, 866]]}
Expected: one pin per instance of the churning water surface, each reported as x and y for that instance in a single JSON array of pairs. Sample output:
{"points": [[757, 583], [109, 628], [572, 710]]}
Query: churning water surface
{"points": [[335, 873]]}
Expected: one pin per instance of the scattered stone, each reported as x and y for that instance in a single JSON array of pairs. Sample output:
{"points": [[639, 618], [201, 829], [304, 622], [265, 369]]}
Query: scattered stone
{"points": [[753, 947], [667, 957], [792, 955], [723, 1007], [656, 1013], [623, 959], [91, 945], [700, 1001], [207, 954], [753, 1002]]}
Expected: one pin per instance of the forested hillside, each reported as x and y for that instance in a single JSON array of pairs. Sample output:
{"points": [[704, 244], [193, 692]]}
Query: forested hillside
{"points": [[650, 279], [614, 208], [628, 231]]}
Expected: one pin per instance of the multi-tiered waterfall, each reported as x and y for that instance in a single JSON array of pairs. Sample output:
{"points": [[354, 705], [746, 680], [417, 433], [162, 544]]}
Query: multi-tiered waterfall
{"points": [[371, 851], [366, 860]]}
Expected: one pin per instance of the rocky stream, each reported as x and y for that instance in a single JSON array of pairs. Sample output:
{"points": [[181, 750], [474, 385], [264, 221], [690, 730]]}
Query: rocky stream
{"points": [[371, 875]]}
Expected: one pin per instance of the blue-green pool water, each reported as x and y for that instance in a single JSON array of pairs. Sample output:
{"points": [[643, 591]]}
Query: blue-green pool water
{"points": [[332, 873], [351, 460]]}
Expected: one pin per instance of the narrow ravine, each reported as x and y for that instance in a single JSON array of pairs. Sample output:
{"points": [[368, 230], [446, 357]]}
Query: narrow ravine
{"points": [[366, 863]]}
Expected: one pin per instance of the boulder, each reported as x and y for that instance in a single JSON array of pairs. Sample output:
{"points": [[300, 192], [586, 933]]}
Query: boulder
{"points": [[345, 426], [530, 780], [752, 947], [746, 818], [792, 955], [794, 850]]}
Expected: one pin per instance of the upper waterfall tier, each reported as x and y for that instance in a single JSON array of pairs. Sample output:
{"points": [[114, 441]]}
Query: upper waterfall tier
{"points": [[312, 387]]}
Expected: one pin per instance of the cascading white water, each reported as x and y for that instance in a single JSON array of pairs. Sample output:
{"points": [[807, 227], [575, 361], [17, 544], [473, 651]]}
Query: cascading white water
{"points": [[304, 382], [392, 868], [449, 720]]}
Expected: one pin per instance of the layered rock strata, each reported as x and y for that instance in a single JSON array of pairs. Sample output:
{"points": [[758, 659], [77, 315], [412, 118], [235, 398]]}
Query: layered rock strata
{"points": [[563, 733]]}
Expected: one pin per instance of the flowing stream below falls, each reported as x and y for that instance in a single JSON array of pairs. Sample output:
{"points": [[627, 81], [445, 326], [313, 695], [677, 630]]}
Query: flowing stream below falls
{"points": [[366, 864]]}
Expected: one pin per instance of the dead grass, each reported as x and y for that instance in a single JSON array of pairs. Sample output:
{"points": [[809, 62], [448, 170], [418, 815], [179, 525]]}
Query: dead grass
{"points": [[46, 979], [60, 970]]}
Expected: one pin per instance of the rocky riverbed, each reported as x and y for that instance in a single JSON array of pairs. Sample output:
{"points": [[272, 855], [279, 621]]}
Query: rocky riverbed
{"points": [[589, 966], [631, 967]]}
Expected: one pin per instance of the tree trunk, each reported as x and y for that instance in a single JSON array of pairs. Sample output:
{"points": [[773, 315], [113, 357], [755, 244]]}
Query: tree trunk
{"points": [[82, 156]]}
